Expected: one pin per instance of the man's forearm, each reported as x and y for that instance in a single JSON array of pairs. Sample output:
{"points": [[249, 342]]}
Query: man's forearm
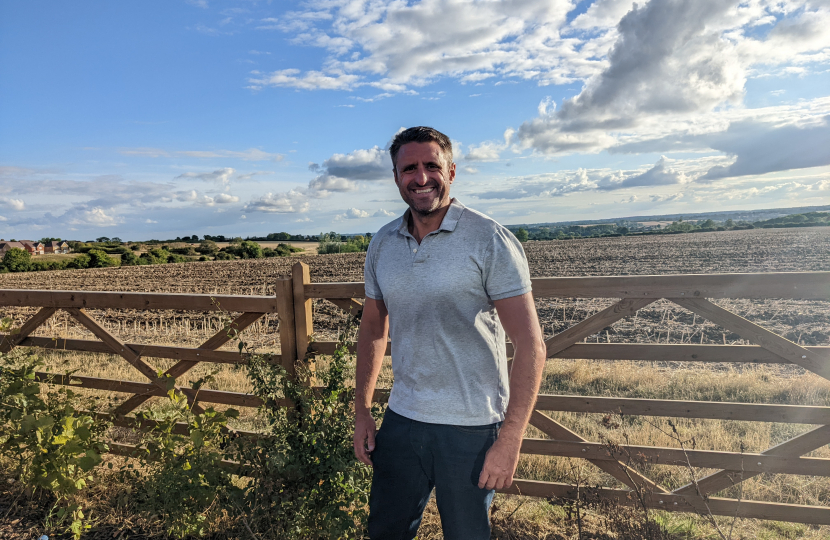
{"points": [[370, 351], [525, 376]]}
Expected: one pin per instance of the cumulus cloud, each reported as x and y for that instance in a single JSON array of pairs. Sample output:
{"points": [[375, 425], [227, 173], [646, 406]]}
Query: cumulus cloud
{"points": [[94, 217], [355, 213], [662, 174], [280, 203], [13, 204], [384, 213], [401, 43], [760, 148], [371, 164], [666, 60]]}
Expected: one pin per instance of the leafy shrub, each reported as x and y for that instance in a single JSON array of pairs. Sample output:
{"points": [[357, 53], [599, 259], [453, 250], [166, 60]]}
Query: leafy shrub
{"points": [[79, 262], [155, 256], [224, 256], [207, 247], [129, 259], [183, 480], [53, 445], [329, 243], [17, 260], [245, 249], [176, 258], [306, 482], [99, 259]]}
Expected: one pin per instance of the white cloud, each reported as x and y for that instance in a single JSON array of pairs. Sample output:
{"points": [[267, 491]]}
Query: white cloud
{"points": [[279, 203], [222, 176], [354, 213], [251, 154], [95, 217], [384, 213], [13, 204]]}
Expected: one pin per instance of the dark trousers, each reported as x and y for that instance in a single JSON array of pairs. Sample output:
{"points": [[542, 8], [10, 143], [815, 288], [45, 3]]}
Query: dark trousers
{"points": [[410, 458]]}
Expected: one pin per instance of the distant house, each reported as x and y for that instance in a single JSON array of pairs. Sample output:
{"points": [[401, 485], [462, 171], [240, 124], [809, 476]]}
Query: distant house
{"points": [[35, 248], [6, 246], [57, 247]]}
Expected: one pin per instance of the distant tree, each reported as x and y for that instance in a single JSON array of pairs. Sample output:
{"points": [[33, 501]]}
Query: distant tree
{"points": [[115, 240], [329, 243], [129, 259], [46, 240], [99, 259], [223, 256], [708, 224], [522, 235], [17, 260], [622, 230], [207, 247], [236, 240], [729, 223], [278, 237], [79, 262], [102, 239], [249, 249]]}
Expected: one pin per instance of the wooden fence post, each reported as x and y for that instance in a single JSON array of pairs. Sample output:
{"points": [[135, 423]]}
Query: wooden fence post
{"points": [[288, 332], [302, 313]]}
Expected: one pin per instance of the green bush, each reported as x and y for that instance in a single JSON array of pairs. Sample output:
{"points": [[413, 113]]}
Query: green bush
{"points": [[155, 256], [17, 260], [224, 256], [182, 479], [79, 262], [207, 247], [52, 444], [306, 482], [99, 259]]}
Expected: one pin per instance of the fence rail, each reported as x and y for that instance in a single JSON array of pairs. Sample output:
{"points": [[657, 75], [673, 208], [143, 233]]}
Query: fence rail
{"points": [[293, 305]]}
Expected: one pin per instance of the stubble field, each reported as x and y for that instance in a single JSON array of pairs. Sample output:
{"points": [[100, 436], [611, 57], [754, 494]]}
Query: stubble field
{"points": [[777, 250]]}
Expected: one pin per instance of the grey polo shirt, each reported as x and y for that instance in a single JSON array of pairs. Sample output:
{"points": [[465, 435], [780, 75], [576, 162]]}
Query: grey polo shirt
{"points": [[448, 346]]}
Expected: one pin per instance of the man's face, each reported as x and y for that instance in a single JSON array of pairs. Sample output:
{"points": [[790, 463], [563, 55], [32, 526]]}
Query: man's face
{"points": [[424, 177]]}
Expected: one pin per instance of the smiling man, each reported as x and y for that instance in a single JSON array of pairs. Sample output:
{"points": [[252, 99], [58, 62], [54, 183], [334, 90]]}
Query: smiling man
{"points": [[445, 282]]}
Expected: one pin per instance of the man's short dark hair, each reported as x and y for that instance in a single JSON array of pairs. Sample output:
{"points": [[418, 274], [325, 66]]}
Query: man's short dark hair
{"points": [[420, 134]]}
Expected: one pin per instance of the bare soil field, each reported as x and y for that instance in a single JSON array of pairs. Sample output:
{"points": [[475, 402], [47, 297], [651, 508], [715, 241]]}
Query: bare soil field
{"points": [[760, 250]]}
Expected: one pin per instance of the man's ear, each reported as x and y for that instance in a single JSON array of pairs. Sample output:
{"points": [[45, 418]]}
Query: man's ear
{"points": [[452, 172]]}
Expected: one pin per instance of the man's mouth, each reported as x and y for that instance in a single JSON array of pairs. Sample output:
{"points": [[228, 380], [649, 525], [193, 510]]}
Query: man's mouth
{"points": [[424, 190]]}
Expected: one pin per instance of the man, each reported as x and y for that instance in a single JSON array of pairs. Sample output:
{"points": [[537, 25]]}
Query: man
{"points": [[446, 282]]}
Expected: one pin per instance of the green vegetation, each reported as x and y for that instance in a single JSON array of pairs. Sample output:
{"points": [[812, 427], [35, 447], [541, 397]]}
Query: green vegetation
{"points": [[52, 445], [334, 243], [521, 235], [301, 478], [680, 226]]}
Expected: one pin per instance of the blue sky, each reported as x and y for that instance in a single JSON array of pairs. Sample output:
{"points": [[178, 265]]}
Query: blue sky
{"points": [[243, 117]]}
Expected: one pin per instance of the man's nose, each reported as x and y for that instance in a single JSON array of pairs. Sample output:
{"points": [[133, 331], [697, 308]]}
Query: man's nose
{"points": [[422, 176]]}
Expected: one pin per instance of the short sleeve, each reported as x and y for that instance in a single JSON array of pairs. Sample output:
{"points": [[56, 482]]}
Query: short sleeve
{"points": [[369, 276], [506, 272]]}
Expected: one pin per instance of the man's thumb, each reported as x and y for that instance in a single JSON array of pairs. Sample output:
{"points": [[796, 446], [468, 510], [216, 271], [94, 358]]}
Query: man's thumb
{"points": [[370, 439]]}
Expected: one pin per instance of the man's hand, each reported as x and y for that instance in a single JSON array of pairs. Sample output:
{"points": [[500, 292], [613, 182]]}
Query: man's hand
{"points": [[500, 464], [364, 436]]}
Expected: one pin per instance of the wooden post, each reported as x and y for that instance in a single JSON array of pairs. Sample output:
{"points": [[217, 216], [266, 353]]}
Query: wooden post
{"points": [[302, 312], [288, 332]]}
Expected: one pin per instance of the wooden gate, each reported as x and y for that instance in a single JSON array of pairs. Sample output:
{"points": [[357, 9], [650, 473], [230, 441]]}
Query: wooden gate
{"points": [[293, 304]]}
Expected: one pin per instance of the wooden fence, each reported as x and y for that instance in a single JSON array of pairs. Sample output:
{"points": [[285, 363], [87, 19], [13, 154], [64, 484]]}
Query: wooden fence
{"points": [[293, 303]]}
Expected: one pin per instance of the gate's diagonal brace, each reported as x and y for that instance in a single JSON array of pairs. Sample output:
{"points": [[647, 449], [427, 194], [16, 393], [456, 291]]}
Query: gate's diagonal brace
{"points": [[620, 471], [595, 323], [12, 339], [124, 351], [748, 330], [795, 447], [183, 366]]}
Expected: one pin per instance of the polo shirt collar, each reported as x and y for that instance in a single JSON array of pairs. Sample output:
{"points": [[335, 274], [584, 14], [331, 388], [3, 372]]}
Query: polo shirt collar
{"points": [[447, 224]]}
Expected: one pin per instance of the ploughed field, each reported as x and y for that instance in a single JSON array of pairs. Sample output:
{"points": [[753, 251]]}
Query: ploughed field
{"points": [[760, 250]]}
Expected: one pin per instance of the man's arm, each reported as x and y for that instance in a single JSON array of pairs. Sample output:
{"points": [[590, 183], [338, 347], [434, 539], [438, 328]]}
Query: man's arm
{"points": [[518, 316], [371, 346]]}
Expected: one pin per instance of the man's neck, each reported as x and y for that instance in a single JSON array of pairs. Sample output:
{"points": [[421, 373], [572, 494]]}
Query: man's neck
{"points": [[419, 225]]}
